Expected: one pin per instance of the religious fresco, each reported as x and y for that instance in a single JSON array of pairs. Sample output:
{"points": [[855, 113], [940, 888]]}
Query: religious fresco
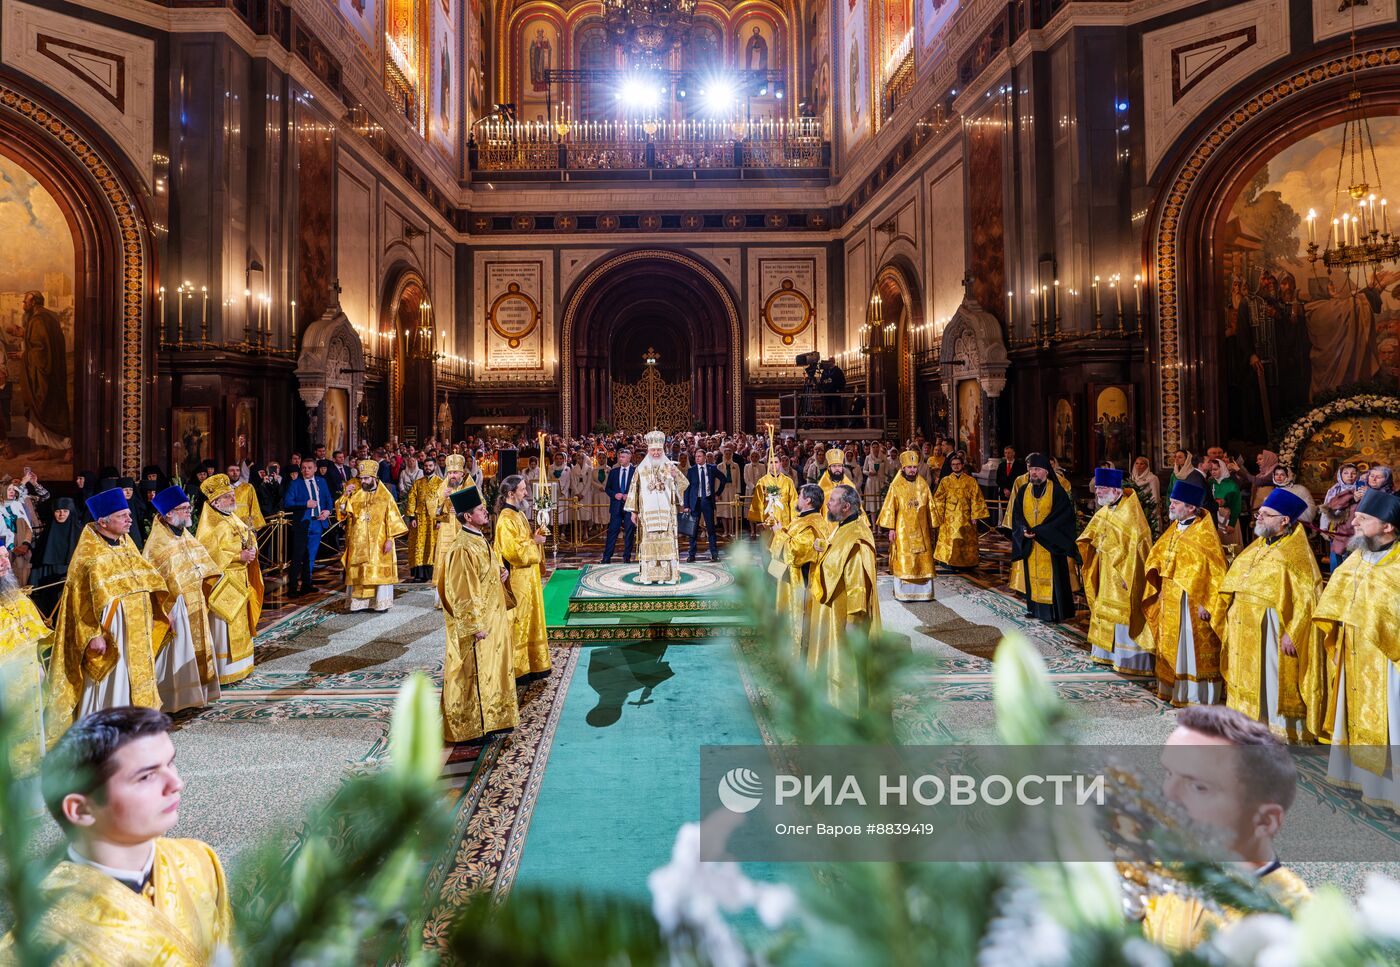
{"points": [[931, 16], [896, 19], [1290, 331], [38, 262], [472, 74], [985, 215], [363, 18], [315, 169], [443, 99], [819, 60], [539, 52], [757, 46], [1360, 439], [855, 91], [970, 421]]}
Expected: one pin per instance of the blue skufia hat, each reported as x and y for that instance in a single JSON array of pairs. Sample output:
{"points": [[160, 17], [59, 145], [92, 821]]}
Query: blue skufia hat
{"points": [[1108, 477], [107, 503], [1286, 502], [168, 499], [1189, 493]]}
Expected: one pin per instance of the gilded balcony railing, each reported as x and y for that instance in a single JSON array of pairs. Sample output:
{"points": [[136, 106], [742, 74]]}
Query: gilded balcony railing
{"points": [[794, 143]]}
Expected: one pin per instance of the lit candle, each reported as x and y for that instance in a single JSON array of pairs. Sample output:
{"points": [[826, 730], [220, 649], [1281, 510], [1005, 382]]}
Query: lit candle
{"points": [[180, 291], [1095, 293], [1010, 311], [1332, 234], [163, 320], [1385, 218], [1118, 297], [1312, 227], [1371, 208], [1137, 292], [1057, 302]]}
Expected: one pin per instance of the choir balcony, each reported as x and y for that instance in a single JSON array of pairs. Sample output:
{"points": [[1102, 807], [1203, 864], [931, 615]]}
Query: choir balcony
{"points": [[767, 149]]}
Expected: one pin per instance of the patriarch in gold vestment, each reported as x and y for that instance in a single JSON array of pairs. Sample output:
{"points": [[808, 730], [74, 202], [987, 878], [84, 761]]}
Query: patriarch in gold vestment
{"points": [[521, 547], [478, 673], [1043, 544], [654, 497], [103, 653], [444, 520], [186, 672], [797, 549], [843, 589], [372, 522], [425, 500], [1267, 598], [22, 634], [958, 505], [1114, 549], [236, 600], [907, 515], [1184, 574], [1358, 616]]}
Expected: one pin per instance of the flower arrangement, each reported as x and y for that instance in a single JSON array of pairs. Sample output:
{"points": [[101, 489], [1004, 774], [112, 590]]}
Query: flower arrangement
{"points": [[1302, 429]]}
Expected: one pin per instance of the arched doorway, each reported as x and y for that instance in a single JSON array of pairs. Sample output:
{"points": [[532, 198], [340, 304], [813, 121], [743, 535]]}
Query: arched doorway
{"points": [[645, 300], [410, 338], [892, 377], [100, 287]]}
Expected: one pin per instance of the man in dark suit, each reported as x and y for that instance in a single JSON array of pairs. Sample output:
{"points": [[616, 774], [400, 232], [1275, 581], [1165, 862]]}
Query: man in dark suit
{"points": [[340, 473], [705, 483], [309, 502], [1008, 469], [619, 479]]}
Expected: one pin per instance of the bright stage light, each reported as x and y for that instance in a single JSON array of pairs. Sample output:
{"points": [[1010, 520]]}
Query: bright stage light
{"points": [[640, 93], [719, 95]]}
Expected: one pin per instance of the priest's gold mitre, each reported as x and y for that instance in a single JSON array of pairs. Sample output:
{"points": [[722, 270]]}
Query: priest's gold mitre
{"points": [[216, 486], [455, 463], [909, 459], [655, 439], [836, 458], [368, 468]]}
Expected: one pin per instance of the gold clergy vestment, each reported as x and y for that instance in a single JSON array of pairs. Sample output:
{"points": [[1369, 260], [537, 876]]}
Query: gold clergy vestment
{"points": [[184, 563], [1282, 576], [22, 631], [786, 506], [180, 920], [1190, 561], [1179, 923], [514, 541], [478, 677], [445, 522], [1358, 616], [225, 536], [957, 506], [796, 547], [245, 505], [371, 518], [102, 576], [1018, 575], [1113, 551], [843, 588], [828, 485], [424, 503], [908, 511]]}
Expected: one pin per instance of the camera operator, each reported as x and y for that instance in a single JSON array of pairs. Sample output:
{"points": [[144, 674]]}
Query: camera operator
{"points": [[832, 383]]}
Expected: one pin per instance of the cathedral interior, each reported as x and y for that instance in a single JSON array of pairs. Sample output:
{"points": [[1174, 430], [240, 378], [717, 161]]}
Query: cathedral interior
{"points": [[1118, 235], [320, 223]]}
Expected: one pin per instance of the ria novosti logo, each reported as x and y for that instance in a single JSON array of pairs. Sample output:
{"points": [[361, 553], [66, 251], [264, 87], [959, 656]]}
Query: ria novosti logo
{"points": [[740, 790]]}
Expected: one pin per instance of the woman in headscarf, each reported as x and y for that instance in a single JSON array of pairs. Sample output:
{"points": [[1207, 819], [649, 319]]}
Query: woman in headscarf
{"points": [[1263, 481], [86, 482], [16, 529], [1337, 508], [1183, 465], [53, 552], [1146, 481]]}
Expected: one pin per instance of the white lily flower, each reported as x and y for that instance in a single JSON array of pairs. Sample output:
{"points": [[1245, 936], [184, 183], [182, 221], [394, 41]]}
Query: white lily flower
{"points": [[1258, 940], [1379, 907]]}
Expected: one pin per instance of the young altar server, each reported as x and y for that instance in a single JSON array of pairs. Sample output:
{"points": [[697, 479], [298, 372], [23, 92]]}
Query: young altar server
{"points": [[124, 893], [1268, 598], [1184, 574], [478, 674], [1114, 549], [186, 674], [521, 547]]}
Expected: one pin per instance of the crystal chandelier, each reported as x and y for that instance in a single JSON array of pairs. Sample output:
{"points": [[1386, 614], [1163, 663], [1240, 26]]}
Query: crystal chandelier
{"points": [[649, 29], [1359, 236]]}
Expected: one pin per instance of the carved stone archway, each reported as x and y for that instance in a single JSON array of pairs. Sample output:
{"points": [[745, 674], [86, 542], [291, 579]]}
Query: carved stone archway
{"points": [[331, 358], [973, 348]]}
